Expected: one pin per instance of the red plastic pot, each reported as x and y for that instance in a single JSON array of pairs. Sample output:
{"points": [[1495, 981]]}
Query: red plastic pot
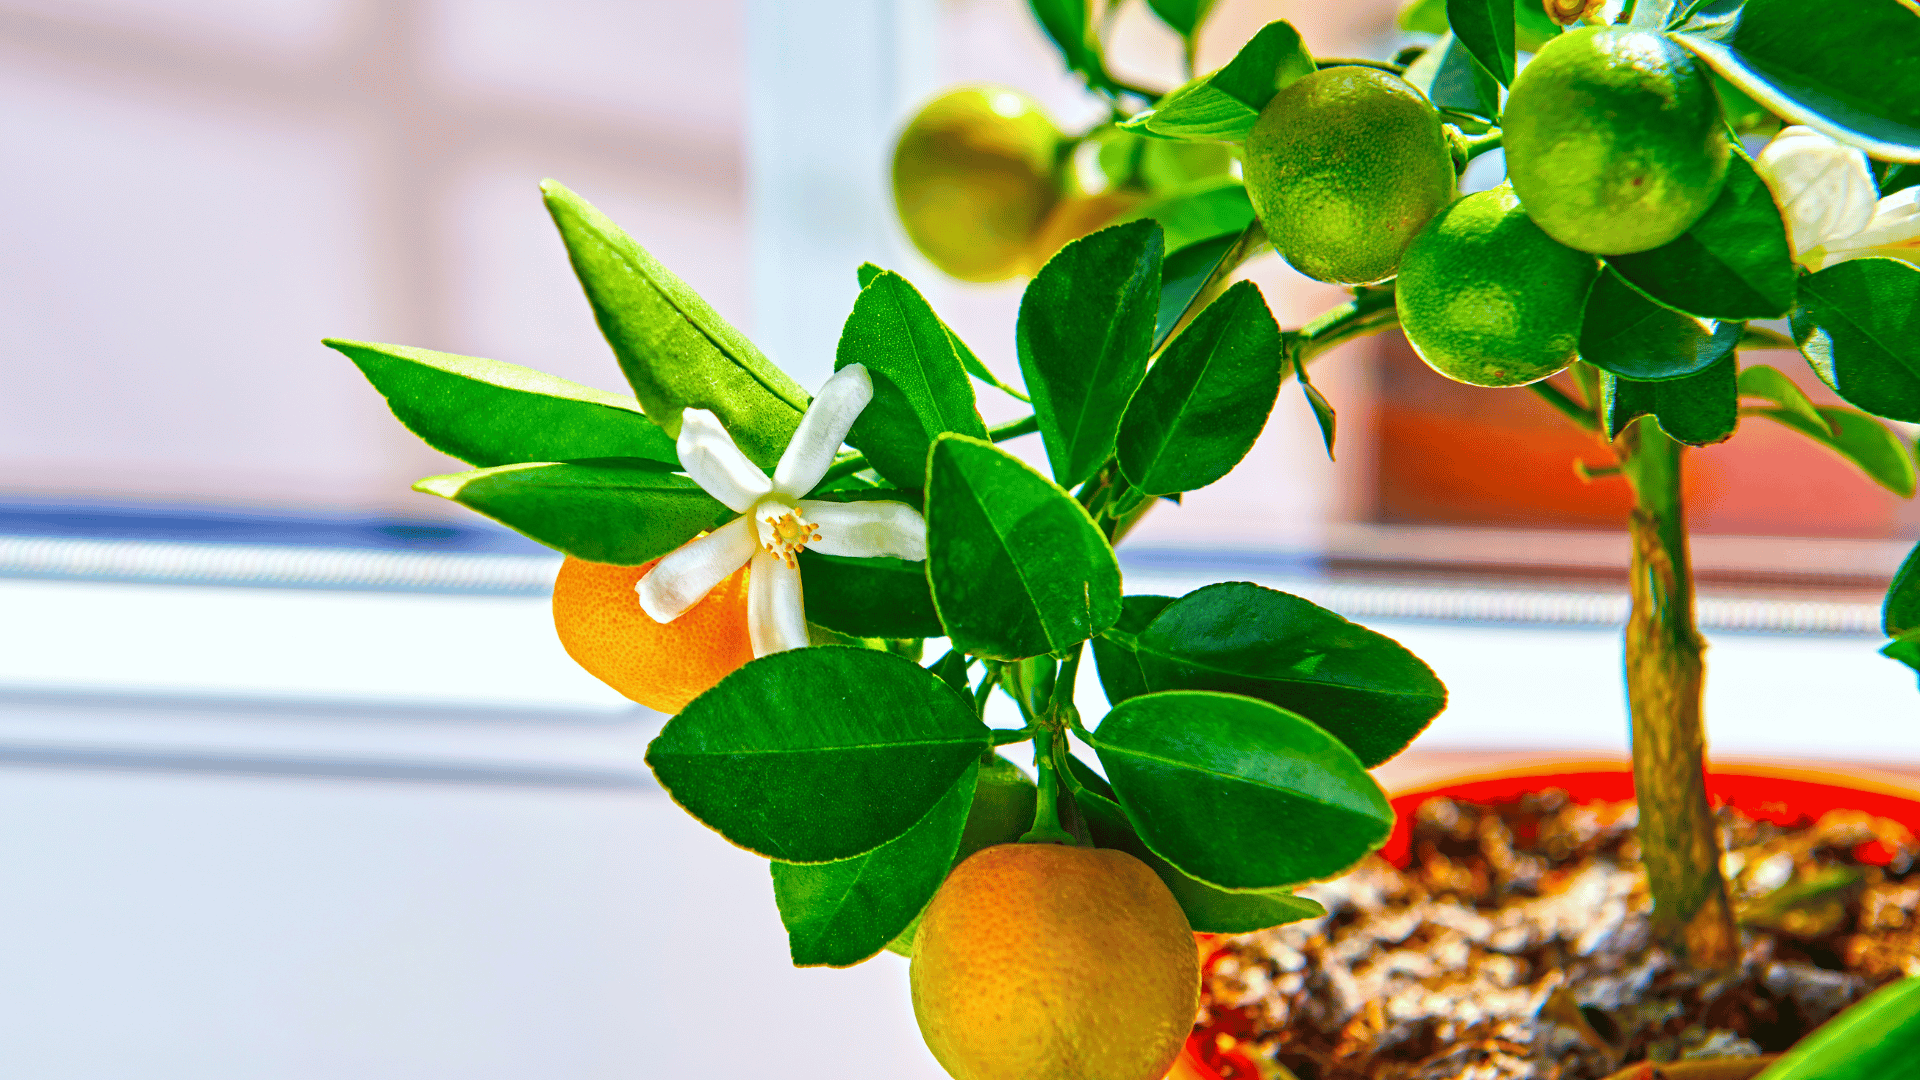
{"points": [[1781, 794]]}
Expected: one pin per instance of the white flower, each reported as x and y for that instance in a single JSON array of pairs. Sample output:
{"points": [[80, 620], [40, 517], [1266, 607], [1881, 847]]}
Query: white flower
{"points": [[1826, 193], [775, 523]]}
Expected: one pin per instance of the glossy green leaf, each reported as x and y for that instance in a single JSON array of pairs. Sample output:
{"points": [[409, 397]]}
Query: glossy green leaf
{"points": [[1070, 24], [818, 754], [1761, 381], [1206, 400], [920, 388], [1697, 410], [676, 351], [1018, 568], [1877, 1038], [1207, 210], [1183, 275], [1084, 331], [1533, 27], [1184, 16], [1239, 793], [874, 598], [1004, 799], [1905, 648], [1362, 687], [1453, 79], [1850, 68], [1223, 105], [1624, 332], [972, 363], [1208, 910], [1732, 264], [1858, 324], [1866, 442], [1901, 613], [625, 511], [840, 913], [1323, 413], [1485, 27], [485, 412]]}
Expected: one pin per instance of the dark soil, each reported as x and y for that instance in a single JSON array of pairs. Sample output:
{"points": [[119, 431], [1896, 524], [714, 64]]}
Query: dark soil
{"points": [[1516, 947]]}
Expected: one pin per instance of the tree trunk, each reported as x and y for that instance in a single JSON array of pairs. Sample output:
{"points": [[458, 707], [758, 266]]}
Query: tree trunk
{"points": [[1679, 842]]}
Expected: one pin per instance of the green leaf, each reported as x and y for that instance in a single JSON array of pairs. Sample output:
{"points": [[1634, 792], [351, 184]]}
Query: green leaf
{"points": [[1423, 17], [1208, 210], [1184, 274], [1239, 793], [1732, 264], [1184, 16], [485, 412], [1858, 324], [1761, 381], [1018, 568], [1069, 23], [868, 272], [920, 388], [1453, 79], [1533, 26], [1223, 105], [1003, 804], [1859, 438], [818, 754], [1208, 910], [625, 511], [840, 913], [1323, 413], [1905, 648], [1697, 410], [1850, 68], [1485, 27], [1624, 332], [1084, 331], [1200, 408], [1873, 1040], [1363, 688], [1901, 613], [676, 351], [874, 598]]}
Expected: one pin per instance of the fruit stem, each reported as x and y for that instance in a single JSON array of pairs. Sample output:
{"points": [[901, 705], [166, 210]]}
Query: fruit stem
{"points": [[1479, 144], [1369, 312], [1564, 402], [985, 689], [1679, 842], [1046, 812]]}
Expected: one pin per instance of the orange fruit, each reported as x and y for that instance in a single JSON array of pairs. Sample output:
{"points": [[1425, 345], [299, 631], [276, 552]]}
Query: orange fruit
{"points": [[660, 665], [1048, 962]]}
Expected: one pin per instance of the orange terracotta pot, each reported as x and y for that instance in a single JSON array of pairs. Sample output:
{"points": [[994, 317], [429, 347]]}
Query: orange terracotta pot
{"points": [[1785, 795]]}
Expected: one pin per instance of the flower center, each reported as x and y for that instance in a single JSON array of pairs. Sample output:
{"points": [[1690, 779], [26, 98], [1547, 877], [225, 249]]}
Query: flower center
{"points": [[783, 532]]}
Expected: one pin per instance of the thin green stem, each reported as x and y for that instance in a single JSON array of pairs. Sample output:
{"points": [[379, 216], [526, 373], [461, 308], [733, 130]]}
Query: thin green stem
{"points": [[1009, 736], [985, 689], [1369, 312], [853, 463], [1564, 403], [1063, 681], [1480, 144]]}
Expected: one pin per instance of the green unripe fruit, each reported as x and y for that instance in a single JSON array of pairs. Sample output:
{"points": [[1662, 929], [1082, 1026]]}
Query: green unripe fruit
{"points": [[1487, 298], [974, 177], [1344, 166], [1614, 140]]}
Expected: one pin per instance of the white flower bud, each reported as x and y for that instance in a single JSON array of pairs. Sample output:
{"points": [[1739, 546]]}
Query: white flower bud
{"points": [[1824, 189]]}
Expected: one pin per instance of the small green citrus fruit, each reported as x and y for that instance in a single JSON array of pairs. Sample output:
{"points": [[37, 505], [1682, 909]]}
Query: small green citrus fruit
{"points": [[974, 176], [1344, 166], [1614, 140], [1487, 298]]}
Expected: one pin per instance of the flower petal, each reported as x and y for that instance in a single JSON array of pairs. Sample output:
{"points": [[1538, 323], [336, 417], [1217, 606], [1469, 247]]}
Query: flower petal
{"points": [[776, 611], [1894, 232], [865, 530], [822, 431], [1824, 189], [708, 455], [689, 572]]}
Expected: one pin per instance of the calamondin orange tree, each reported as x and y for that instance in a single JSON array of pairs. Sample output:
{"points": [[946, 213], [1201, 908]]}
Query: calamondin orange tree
{"points": [[768, 565]]}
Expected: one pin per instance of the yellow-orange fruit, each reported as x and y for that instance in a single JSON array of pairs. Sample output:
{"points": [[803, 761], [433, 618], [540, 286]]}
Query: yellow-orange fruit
{"points": [[660, 665], [1049, 962], [1078, 215]]}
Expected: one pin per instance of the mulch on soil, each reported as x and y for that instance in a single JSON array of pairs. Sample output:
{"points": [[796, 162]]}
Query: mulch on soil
{"points": [[1516, 947]]}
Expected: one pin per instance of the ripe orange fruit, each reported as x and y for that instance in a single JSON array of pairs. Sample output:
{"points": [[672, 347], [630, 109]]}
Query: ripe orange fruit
{"points": [[660, 665], [1049, 962]]}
